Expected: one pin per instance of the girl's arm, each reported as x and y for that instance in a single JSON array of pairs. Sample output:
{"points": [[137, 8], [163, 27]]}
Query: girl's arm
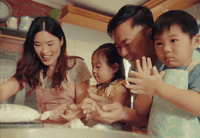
{"points": [[9, 88], [121, 95]]}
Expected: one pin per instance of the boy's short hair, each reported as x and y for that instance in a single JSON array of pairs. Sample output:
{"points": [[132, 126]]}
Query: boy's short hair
{"points": [[183, 19], [140, 15]]}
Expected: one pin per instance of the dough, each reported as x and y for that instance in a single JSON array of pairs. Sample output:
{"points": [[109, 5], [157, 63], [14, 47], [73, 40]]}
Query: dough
{"points": [[45, 115]]}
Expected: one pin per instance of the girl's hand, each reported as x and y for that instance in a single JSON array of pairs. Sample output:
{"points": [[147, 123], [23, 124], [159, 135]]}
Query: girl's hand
{"points": [[89, 104], [73, 112]]}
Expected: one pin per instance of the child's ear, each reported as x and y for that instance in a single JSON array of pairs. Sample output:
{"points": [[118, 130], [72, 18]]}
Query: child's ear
{"points": [[115, 67], [196, 41]]}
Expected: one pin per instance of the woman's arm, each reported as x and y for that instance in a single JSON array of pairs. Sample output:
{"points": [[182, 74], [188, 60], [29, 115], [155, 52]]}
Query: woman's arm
{"points": [[9, 88], [81, 91], [75, 111]]}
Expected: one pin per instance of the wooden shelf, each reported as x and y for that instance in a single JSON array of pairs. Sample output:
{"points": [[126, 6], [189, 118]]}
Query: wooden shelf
{"points": [[158, 7], [12, 32], [81, 17]]}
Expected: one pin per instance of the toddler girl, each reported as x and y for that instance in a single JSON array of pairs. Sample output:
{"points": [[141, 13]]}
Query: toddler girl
{"points": [[108, 70]]}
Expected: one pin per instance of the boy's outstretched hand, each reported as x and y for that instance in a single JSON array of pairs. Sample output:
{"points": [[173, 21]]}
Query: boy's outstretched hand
{"points": [[146, 79]]}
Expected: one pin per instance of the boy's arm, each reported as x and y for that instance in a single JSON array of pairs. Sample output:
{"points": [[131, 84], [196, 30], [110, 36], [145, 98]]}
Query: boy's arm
{"points": [[188, 100], [143, 101]]}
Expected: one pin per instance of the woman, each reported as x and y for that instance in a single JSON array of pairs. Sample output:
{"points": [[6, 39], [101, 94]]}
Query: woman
{"points": [[59, 79]]}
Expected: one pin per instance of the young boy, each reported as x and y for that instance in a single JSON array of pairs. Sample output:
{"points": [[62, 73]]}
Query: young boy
{"points": [[176, 102]]}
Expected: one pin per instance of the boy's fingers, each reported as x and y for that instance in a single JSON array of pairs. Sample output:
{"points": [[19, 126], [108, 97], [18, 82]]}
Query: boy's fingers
{"points": [[155, 71], [139, 69], [162, 73], [144, 63], [149, 63]]}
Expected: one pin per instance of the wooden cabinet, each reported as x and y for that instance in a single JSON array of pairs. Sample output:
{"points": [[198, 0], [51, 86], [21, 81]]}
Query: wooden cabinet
{"points": [[85, 18]]}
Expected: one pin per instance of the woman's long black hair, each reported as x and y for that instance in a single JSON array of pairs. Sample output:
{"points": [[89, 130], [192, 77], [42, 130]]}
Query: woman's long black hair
{"points": [[29, 65]]}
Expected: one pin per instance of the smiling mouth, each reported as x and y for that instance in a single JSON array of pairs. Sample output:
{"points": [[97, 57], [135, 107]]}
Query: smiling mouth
{"points": [[47, 57]]}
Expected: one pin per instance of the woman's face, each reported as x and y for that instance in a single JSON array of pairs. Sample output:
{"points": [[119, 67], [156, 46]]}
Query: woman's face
{"points": [[47, 47]]}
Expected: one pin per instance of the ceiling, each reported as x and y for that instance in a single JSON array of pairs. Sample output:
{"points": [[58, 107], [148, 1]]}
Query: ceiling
{"points": [[106, 7]]}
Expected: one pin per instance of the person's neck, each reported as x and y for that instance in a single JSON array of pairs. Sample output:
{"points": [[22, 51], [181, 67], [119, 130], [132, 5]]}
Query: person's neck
{"points": [[153, 54], [154, 58]]}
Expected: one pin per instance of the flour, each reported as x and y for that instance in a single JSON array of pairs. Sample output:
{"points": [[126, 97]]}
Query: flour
{"points": [[17, 113], [77, 123]]}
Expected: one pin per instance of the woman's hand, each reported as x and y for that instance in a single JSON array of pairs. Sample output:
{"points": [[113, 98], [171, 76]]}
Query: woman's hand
{"points": [[54, 116], [57, 112]]}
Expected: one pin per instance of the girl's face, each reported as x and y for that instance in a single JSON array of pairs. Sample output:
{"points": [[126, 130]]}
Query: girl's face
{"points": [[102, 73], [174, 48], [47, 47]]}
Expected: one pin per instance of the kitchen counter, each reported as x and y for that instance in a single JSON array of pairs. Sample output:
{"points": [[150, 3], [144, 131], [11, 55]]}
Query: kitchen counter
{"points": [[58, 131]]}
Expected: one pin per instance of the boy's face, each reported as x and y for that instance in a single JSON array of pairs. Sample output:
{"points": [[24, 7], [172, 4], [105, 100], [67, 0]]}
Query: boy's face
{"points": [[174, 48]]}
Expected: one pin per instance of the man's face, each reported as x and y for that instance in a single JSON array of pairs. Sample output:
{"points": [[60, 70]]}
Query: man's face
{"points": [[132, 43]]}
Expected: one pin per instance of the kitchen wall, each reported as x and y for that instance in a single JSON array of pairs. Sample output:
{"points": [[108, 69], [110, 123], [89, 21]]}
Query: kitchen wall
{"points": [[195, 11], [27, 8]]}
